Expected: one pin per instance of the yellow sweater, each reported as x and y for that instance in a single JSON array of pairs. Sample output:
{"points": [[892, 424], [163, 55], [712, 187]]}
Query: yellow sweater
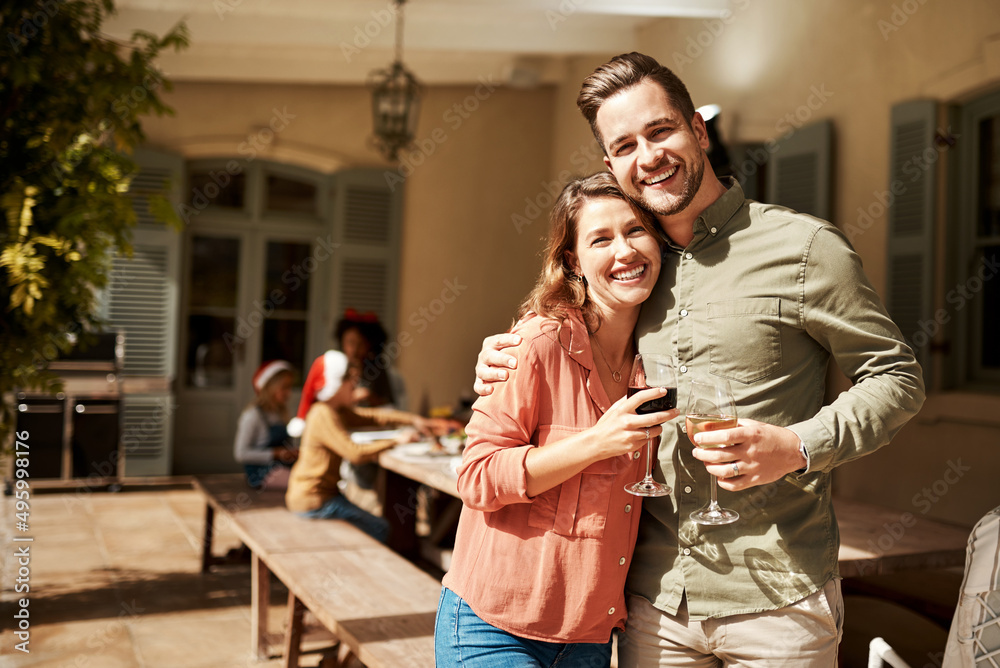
{"points": [[326, 442]]}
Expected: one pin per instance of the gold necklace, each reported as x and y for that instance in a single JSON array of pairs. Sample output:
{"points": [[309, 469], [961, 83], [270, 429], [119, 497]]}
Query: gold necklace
{"points": [[616, 375]]}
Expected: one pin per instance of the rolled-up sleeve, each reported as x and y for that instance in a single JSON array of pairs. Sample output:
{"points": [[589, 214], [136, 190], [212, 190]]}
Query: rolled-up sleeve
{"points": [[493, 472]]}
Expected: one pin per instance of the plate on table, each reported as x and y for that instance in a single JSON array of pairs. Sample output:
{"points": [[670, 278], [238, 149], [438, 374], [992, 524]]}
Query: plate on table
{"points": [[421, 450], [371, 435]]}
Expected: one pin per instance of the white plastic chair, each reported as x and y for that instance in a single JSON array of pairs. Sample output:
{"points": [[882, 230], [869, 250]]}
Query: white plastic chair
{"points": [[881, 653], [974, 637]]}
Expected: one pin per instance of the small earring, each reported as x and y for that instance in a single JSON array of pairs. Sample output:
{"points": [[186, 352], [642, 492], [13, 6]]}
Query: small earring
{"points": [[578, 277]]}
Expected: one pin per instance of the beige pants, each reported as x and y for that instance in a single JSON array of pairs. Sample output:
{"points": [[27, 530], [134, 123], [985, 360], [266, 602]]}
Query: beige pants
{"points": [[802, 635]]}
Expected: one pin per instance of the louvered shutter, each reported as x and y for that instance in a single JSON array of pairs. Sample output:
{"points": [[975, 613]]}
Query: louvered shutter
{"points": [[366, 220], [799, 170], [142, 301], [910, 261]]}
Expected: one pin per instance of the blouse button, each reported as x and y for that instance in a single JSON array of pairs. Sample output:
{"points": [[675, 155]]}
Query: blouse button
{"points": [[686, 551], [688, 256], [714, 230], [635, 455], [687, 489], [628, 507], [621, 562], [611, 611], [684, 312], [683, 368]]}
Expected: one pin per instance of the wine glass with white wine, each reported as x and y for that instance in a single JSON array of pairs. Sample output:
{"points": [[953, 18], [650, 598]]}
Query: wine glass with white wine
{"points": [[711, 406]]}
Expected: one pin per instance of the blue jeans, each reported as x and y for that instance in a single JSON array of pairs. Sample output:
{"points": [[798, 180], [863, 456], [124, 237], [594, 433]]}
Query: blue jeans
{"points": [[339, 508], [461, 638], [256, 473]]}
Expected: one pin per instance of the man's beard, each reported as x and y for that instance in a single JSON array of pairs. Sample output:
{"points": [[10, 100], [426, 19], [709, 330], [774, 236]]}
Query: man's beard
{"points": [[667, 205]]}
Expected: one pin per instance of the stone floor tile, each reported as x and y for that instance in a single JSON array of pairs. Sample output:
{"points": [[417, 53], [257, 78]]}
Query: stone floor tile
{"points": [[186, 639], [93, 643], [76, 555]]}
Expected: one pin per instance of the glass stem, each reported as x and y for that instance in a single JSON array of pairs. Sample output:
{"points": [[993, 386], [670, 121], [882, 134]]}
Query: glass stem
{"points": [[649, 460], [715, 494]]}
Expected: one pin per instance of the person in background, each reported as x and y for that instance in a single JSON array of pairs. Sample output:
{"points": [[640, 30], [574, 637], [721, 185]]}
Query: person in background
{"points": [[362, 338], [547, 529], [261, 444], [313, 488]]}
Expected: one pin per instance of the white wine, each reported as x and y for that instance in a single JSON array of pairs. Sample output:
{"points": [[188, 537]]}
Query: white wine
{"points": [[698, 423]]}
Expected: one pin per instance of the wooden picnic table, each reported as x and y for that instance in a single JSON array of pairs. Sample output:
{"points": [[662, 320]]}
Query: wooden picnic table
{"points": [[874, 540]]}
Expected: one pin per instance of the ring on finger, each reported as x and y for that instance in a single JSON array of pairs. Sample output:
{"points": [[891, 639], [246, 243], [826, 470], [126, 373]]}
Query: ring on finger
{"points": [[647, 433], [736, 470]]}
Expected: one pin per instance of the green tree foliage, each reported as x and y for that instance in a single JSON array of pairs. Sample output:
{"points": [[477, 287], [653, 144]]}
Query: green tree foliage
{"points": [[70, 102]]}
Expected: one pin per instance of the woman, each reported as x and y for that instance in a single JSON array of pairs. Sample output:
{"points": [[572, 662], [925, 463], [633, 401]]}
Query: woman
{"points": [[363, 339], [261, 444], [313, 489], [547, 530]]}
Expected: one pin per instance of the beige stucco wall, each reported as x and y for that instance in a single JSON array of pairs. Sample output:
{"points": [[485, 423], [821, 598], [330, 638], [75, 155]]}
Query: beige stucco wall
{"points": [[459, 226]]}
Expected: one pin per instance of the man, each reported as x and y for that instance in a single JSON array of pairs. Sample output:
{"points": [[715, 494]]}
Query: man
{"points": [[764, 297]]}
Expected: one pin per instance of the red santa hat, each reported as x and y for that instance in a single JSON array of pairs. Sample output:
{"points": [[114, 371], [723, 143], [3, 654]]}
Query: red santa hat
{"points": [[267, 371], [324, 379]]}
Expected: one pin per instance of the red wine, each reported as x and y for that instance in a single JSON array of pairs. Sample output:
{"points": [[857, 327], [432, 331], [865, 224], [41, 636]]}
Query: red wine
{"points": [[664, 403]]}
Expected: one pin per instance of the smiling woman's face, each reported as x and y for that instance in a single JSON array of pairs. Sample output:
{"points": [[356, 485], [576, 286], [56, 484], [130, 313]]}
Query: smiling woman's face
{"points": [[617, 255]]}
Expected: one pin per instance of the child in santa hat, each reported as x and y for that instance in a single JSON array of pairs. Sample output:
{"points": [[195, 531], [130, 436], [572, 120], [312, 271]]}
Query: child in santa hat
{"points": [[362, 339], [320, 385], [313, 489], [261, 443]]}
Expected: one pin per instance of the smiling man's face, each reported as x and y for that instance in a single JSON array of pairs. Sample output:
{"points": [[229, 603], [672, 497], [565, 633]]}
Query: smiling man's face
{"points": [[656, 156]]}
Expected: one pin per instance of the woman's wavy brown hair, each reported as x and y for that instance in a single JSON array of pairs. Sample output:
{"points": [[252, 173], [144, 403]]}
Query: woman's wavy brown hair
{"points": [[558, 290]]}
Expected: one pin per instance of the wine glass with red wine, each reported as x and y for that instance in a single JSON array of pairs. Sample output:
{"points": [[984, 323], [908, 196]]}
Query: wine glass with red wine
{"points": [[652, 370]]}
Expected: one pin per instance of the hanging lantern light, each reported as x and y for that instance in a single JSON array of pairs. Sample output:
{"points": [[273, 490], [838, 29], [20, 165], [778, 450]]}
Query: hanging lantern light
{"points": [[395, 100]]}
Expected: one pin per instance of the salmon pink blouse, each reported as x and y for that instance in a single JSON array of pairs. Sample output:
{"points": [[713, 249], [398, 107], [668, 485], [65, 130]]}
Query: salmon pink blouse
{"points": [[551, 567]]}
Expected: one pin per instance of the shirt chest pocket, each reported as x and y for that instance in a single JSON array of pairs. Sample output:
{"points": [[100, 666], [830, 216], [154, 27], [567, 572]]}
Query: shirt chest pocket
{"points": [[578, 507], [744, 338]]}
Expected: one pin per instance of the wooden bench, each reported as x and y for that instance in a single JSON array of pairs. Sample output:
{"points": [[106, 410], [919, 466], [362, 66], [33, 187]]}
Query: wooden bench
{"points": [[378, 605]]}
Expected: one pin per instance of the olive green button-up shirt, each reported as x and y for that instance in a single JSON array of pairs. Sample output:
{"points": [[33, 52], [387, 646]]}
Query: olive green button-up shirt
{"points": [[765, 297]]}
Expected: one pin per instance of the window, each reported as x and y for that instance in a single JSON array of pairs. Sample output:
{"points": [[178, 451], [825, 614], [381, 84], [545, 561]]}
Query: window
{"points": [[216, 188], [975, 291], [212, 310], [290, 195]]}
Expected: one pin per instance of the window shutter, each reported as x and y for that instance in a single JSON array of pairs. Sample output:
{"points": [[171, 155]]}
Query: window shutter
{"points": [[910, 261], [147, 428], [366, 221], [139, 304], [142, 301], [799, 173]]}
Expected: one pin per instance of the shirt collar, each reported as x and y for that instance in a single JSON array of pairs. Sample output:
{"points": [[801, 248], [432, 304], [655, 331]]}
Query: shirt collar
{"points": [[575, 339], [718, 213]]}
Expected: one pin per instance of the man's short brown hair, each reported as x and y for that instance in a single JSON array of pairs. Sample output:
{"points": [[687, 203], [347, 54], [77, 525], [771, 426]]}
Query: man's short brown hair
{"points": [[623, 72]]}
